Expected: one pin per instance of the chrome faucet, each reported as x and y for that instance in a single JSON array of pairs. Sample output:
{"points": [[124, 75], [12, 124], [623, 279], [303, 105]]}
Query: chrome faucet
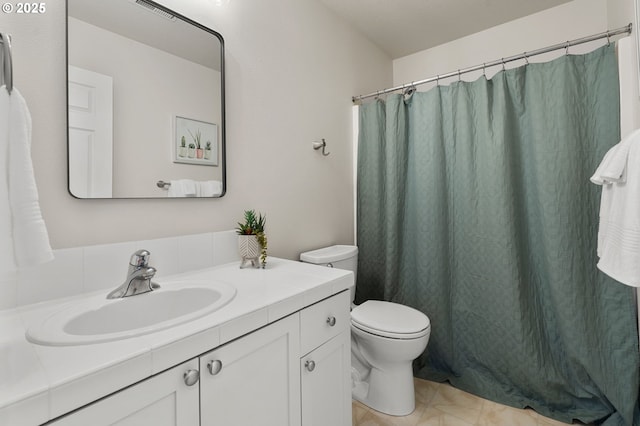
{"points": [[138, 277]]}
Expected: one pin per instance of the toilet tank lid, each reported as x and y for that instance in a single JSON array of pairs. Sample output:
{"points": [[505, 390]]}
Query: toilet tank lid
{"points": [[329, 254]]}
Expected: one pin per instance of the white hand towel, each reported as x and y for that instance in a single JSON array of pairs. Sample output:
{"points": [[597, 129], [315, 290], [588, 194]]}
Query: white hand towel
{"points": [[614, 164], [26, 235], [182, 188], [619, 231], [210, 188]]}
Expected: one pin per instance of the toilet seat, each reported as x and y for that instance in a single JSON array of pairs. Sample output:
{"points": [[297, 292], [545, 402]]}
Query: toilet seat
{"points": [[388, 319]]}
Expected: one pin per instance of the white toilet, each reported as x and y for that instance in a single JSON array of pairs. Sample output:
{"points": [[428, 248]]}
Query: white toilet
{"points": [[385, 339]]}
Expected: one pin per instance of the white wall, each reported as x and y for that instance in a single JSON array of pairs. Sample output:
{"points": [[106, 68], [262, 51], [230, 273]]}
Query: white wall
{"points": [[568, 21], [292, 69]]}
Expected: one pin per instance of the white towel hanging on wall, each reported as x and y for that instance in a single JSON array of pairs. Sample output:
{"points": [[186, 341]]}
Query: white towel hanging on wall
{"points": [[24, 240], [619, 230]]}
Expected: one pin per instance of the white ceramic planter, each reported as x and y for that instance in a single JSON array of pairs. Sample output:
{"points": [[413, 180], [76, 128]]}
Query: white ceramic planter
{"points": [[249, 250]]}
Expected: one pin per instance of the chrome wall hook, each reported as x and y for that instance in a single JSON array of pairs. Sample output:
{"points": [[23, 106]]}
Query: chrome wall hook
{"points": [[317, 145]]}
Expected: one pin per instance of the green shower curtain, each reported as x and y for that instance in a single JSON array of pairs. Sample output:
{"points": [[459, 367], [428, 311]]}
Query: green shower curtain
{"points": [[475, 207]]}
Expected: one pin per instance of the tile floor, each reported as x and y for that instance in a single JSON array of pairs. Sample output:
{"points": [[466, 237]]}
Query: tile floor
{"points": [[440, 404]]}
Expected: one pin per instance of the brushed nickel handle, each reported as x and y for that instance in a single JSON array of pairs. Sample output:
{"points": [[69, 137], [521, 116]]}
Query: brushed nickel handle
{"points": [[214, 366], [331, 321], [191, 377], [310, 365]]}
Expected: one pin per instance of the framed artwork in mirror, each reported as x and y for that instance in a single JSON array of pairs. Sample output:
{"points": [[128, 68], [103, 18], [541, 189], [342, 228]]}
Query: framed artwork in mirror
{"points": [[195, 142]]}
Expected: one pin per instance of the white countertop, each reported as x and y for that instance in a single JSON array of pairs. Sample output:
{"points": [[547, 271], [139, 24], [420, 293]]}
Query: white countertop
{"points": [[39, 383]]}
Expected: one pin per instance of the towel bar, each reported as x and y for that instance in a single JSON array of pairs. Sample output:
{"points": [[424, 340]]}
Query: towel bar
{"points": [[6, 76]]}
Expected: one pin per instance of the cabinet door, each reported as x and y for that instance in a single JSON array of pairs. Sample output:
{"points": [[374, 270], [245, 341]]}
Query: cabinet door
{"points": [[162, 400], [326, 383], [254, 380]]}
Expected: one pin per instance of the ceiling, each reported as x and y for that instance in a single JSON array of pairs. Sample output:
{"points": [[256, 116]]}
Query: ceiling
{"points": [[134, 19], [403, 27]]}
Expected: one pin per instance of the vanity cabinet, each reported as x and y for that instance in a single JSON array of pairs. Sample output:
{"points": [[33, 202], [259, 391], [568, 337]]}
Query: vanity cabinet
{"points": [[254, 380], [326, 362], [293, 372], [162, 400]]}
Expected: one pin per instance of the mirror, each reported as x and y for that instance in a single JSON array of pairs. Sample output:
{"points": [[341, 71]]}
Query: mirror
{"points": [[146, 102]]}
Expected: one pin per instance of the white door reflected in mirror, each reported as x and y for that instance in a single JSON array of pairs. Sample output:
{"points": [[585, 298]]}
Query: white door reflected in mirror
{"points": [[90, 133]]}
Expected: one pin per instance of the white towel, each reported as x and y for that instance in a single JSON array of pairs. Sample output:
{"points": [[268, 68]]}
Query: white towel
{"points": [[210, 188], [25, 241], [619, 231], [183, 188], [614, 164]]}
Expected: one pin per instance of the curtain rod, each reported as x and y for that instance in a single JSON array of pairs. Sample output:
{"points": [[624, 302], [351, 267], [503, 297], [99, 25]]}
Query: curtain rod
{"points": [[502, 61]]}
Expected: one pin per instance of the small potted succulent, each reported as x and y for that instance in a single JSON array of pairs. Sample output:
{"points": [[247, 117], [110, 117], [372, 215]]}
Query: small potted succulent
{"points": [[182, 151], [252, 240], [207, 150], [196, 139], [192, 150]]}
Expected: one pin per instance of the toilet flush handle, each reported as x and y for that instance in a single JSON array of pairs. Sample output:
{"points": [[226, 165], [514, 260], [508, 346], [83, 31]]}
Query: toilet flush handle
{"points": [[331, 321], [329, 265]]}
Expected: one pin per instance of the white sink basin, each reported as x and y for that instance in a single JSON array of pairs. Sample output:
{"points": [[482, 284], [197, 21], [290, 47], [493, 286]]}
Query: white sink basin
{"points": [[97, 319]]}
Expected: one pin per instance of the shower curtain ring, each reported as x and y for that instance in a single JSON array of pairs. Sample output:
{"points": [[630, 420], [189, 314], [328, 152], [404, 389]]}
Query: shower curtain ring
{"points": [[526, 58], [566, 49], [408, 89], [459, 73], [608, 38], [502, 64], [484, 69], [437, 80]]}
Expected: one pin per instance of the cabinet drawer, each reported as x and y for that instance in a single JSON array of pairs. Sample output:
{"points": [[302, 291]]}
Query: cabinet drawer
{"points": [[324, 320]]}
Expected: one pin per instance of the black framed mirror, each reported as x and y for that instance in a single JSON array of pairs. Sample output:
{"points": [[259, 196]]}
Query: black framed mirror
{"points": [[146, 113]]}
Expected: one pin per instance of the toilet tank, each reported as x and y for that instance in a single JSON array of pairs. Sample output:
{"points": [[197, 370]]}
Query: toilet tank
{"points": [[339, 256]]}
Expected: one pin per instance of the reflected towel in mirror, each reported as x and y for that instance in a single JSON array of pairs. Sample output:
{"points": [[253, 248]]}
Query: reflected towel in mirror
{"points": [[210, 188], [183, 188]]}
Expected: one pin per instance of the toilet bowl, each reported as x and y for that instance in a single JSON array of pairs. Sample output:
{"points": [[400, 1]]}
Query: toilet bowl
{"points": [[385, 339]]}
